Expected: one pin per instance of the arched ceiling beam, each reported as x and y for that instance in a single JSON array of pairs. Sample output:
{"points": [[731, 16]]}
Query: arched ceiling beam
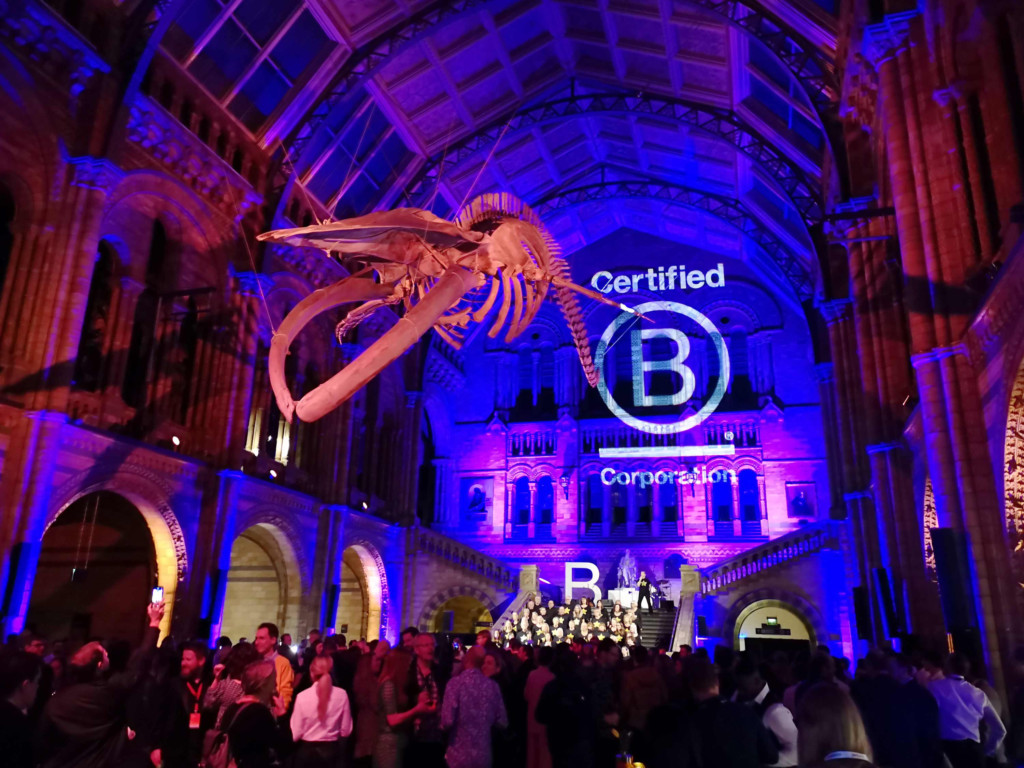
{"points": [[808, 66], [727, 209], [720, 123]]}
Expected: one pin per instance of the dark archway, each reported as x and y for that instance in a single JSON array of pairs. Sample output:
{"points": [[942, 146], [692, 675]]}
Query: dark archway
{"points": [[96, 569]]}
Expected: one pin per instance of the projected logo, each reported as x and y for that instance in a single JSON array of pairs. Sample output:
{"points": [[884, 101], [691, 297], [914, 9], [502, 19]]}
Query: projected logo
{"points": [[668, 321]]}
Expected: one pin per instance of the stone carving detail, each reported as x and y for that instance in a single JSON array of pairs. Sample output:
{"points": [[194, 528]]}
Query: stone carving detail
{"points": [[929, 520], [310, 263], [385, 592], [1013, 457], [37, 33], [188, 159], [94, 173]]}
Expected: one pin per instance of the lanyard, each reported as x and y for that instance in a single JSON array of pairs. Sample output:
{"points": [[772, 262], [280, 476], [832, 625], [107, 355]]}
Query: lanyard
{"points": [[195, 692], [845, 755]]}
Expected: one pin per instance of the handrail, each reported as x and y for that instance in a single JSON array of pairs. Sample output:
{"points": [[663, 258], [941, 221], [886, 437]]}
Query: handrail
{"points": [[461, 556], [805, 541]]}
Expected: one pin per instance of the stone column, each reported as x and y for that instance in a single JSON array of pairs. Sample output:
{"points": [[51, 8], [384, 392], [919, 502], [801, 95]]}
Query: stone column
{"points": [[532, 528], [24, 507], [762, 502], [737, 516], [686, 617], [61, 296]]}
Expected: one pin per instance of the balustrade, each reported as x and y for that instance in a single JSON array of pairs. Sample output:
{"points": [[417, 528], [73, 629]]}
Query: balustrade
{"points": [[807, 540], [440, 546]]}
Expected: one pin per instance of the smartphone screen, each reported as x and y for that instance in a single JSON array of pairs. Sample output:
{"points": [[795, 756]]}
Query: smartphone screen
{"points": [[157, 596]]}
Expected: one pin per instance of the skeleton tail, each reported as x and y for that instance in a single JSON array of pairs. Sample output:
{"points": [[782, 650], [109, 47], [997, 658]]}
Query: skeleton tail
{"points": [[569, 303]]}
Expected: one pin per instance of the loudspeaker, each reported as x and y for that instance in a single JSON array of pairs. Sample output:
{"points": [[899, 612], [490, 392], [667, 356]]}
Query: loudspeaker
{"points": [[862, 612], [448, 621], [333, 596], [955, 580], [883, 589], [702, 627]]}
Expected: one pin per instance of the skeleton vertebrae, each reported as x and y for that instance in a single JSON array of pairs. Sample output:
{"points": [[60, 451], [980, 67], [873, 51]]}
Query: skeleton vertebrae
{"points": [[447, 274]]}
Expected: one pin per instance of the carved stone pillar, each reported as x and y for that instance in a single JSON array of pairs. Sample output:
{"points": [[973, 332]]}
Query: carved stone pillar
{"points": [[532, 528], [61, 297], [737, 517]]}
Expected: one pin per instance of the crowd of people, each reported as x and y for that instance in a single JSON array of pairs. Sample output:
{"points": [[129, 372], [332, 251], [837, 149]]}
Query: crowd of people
{"points": [[540, 623], [431, 702]]}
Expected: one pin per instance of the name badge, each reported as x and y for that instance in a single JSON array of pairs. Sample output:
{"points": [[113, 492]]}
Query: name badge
{"points": [[193, 720]]}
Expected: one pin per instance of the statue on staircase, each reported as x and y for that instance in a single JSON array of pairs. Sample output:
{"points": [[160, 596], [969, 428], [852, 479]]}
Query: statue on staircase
{"points": [[627, 571]]}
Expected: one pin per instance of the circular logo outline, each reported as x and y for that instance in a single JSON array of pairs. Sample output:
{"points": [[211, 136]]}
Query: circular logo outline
{"points": [[690, 421]]}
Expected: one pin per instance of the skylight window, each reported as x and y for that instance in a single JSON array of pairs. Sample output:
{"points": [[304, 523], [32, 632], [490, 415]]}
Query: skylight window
{"points": [[249, 54]]}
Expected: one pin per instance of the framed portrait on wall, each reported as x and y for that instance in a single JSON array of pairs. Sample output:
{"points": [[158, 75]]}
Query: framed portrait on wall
{"points": [[800, 500], [476, 498]]}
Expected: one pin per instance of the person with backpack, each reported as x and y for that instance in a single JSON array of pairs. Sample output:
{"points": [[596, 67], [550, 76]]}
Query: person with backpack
{"points": [[249, 736]]}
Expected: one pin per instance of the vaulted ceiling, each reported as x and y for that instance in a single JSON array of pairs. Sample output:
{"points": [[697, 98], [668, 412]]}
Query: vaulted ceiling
{"points": [[600, 112]]}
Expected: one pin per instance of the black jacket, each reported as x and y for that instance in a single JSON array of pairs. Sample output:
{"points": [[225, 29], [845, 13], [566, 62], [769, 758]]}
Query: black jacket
{"points": [[85, 725]]}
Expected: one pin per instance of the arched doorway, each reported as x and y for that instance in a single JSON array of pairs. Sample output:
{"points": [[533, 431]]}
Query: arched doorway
{"points": [[767, 626], [361, 597], [462, 615], [263, 583], [97, 565]]}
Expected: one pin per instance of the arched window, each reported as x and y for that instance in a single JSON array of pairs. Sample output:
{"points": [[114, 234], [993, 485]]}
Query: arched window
{"points": [[546, 395], [620, 500], [668, 495], [721, 502], [644, 504], [740, 387], [595, 499], [673, 566], [140, 350], [89, 362], [521, 513], [545, 501], [750, 502]]}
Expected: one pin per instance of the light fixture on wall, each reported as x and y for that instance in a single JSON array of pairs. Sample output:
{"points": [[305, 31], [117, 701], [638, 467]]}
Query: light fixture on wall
{"points": [[273, 473], [175, 440], [564, 482], [365, 505]]}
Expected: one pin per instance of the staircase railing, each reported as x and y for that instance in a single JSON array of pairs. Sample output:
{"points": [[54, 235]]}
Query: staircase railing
{"points": [[438, 545], [800, 543]]}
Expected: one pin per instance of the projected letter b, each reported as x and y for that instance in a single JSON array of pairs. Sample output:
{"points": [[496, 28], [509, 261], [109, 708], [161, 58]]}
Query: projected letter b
{"points": [[640, 367]]}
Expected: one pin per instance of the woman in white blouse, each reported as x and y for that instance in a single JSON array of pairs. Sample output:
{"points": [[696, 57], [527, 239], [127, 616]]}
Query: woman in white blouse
{"points": [[321, 718]]}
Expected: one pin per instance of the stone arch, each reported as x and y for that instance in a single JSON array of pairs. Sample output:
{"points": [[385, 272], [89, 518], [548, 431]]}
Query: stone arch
{"points": [[270, 516], [434, 604], [1013, 473], [152, 497], [769, 597], [263, 552], [376, 594], [188, 220]]}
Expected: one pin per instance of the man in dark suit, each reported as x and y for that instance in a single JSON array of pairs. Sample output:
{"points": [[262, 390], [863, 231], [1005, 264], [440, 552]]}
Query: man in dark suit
{"points": [[643, 586]]}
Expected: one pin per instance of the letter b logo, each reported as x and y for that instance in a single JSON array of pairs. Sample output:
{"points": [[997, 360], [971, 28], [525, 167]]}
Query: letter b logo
{"points": [[640, 367]]}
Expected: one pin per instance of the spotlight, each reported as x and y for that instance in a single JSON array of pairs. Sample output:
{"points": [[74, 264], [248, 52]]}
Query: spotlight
{"points": [[365, 505], [176, 440], [273, 473]]}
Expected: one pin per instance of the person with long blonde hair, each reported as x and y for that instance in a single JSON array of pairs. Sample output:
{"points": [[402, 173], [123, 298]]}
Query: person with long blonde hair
{"points": [[321, 719], [831, 733]]}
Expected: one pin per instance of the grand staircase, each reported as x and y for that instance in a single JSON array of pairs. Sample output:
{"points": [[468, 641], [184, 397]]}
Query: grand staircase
{"points": [[655, 628]]}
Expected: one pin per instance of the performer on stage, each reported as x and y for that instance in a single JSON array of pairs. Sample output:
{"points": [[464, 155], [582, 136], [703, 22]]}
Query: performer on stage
{"points": [[643, 587]]}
